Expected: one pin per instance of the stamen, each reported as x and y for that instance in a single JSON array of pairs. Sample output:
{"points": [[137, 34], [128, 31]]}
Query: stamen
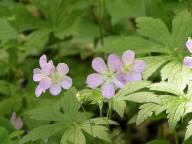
{"points": [[55, 77]]}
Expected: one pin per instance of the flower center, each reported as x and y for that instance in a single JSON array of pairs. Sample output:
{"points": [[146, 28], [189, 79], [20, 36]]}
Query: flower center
{"points": [[126, 68], [55, 77], [108, 76]]}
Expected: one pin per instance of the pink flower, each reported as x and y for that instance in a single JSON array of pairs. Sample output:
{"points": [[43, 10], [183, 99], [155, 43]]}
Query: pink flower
{"points": [[16, 121], [131, 69], [51, 77], [106, 76], [189, 44], [188, 59]]}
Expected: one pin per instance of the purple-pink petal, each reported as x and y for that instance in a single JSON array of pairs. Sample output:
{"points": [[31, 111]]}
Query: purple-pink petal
{"points": [[55, 89], [188, 61], [114, 62], [94, 80], [62, 68], [128, 57], [36, 71], [139, 66], [189, 44], [108, 90], [48, 69], [45, 83], [39, 90], [99, 65], [37, 77], [133, 77], [43, 61], [50, 62], [13, 117], [16, 122], [66, 83], [119, 81]]}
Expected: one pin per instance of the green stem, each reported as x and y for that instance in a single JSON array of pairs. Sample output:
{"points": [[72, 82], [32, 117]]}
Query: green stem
{"points": [[84, 111], [176, 138], [109, 113], [101, 112]]}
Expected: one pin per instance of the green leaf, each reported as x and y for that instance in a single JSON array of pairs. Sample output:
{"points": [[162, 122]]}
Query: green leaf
{"points": [[7, 32], [41, 132], [176, 105], [73, 135], [56, 11], [167, 87], [72, 106], [16, 134], [147, 110], [64, 117], [3, 134], [96, 129], [180, 33], [5, 88], [119, 44], [155, 29], [188, 133], [4, 137], [178, 74], [37, 39], [6, 124], [51, 10], [35, 42], [22, 19], [119, 107], [125, 93], [9, 104], [101, 121], [131, 88], [158, 9], [143, 97], [47, 113], [91, 95], [119, 9], [153, 64], [77, 25], [175, 108]]}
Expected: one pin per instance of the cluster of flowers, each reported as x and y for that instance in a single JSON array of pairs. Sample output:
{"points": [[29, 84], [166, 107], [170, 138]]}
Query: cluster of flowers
{"points": [[109, 78], [116, 73]]}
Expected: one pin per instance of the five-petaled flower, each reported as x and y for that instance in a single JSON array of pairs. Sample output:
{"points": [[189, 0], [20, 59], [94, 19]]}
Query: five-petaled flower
{"points": [[188, 59], [131, 69], [16, 121], [106, 76], [51, 77]]}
